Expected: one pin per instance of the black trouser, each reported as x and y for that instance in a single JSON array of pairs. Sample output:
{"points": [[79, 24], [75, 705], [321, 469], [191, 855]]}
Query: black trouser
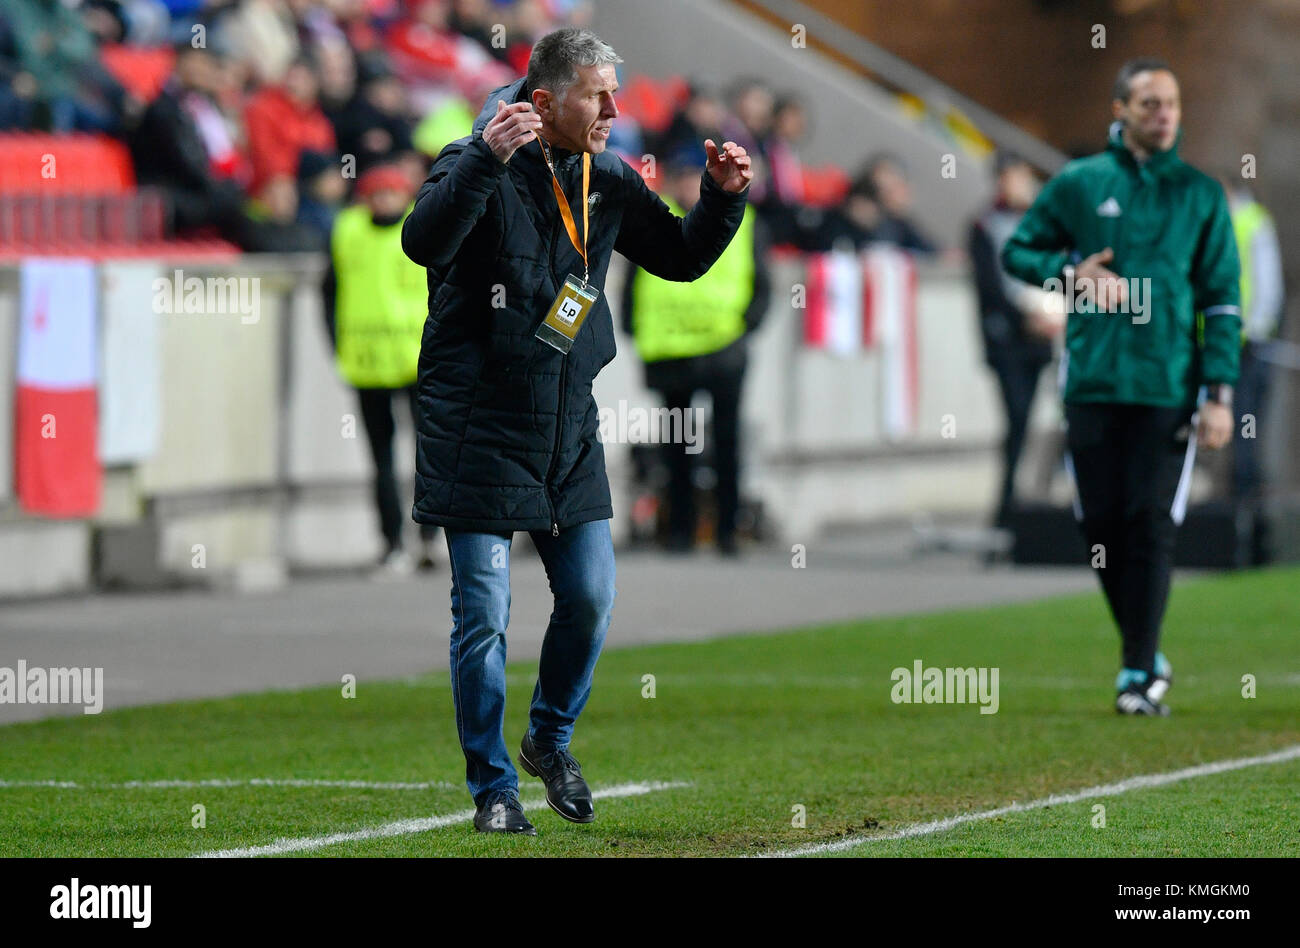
{"points": [[1128, 463], [1017, 381], [721, 374], [1250, 398], [377, 415]]}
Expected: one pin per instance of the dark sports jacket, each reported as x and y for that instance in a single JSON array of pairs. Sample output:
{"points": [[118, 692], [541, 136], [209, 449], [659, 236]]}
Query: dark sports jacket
{"points": [[1167, 224], [506, 437]]}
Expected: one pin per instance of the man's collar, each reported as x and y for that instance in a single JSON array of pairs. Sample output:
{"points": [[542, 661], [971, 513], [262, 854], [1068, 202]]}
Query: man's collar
{"points": [[1155, 162], [560, 155]]}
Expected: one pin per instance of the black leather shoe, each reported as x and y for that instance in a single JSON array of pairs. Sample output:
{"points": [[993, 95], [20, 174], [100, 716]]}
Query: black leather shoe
{"points": [[566, 791], [501, 812]]}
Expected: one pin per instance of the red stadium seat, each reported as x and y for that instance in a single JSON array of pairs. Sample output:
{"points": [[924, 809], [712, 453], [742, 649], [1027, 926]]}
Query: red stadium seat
{"points": [[75, 195], [652, 102], [39, 164], [824, 186], [141, 69]]}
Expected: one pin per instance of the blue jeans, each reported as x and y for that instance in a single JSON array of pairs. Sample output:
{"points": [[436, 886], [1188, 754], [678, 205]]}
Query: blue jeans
{"points": [[580, 567]]}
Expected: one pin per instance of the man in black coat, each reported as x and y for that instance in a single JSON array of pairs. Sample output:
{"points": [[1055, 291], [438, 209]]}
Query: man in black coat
{"points": [[170, 153], [1017, 332], [527, 206]]}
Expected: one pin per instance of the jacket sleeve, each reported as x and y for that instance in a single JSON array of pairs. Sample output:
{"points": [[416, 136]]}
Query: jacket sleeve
{"points": [[1216, 276], [756, 311], [627, 299], [1041, 244], [672, 247], [451, 201], [166, 148]]}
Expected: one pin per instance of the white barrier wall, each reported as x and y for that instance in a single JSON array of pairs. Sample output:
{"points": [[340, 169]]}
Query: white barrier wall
{"points": [[259, 463], [816, 451]]}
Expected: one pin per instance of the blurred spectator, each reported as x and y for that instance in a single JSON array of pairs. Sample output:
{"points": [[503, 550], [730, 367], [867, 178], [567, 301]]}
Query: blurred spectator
{"points": [[894, 194], [432, 57], [265, 34], [789, 128], [1017, 321], [17, 88], [105, 20], [147, 22], [322, 190], [693, 336], [354, 20], [475, 19], [748, 124], [531, 23], [376, 301], [1262, 305], [750, 120], [452, 119], [700, 117], [183, 146], [271, 225], [374, 124], [862, 214], [336, 70], [282, 121], [316, 24], [783, 206], [53, 63], [138, 22]]}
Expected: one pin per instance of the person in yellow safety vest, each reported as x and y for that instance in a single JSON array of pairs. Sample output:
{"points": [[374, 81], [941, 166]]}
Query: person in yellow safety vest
{"points": [[376, 301], [1261, 312], [692, 337]]}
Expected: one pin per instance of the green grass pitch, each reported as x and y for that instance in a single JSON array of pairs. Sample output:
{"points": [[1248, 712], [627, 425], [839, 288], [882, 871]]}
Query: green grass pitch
{"points": [[755, 725]]}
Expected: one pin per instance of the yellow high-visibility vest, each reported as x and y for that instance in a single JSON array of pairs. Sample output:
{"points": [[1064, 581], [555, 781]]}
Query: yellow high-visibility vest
{"points": [[1246, 222], [679, 320], [382, 302]]}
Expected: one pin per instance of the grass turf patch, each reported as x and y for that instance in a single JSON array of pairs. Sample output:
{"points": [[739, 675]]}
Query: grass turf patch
{"points": [[756, 724]]}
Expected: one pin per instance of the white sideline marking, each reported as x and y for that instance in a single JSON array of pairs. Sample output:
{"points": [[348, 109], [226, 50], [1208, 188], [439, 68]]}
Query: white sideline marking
{"points": [[417, 825], [1056, 799], [254, 782]]}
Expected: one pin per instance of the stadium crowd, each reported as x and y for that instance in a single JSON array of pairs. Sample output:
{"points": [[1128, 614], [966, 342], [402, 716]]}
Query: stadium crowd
{"points": [[256, 118]]}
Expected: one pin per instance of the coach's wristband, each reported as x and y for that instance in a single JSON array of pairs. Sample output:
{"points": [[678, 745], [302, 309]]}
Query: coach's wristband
{"points": [[1219, 392]]}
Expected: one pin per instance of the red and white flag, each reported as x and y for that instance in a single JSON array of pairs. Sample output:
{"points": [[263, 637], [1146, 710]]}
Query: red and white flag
{"points": [[837, 313], [892, 278], [57, 469], [867, 302]]}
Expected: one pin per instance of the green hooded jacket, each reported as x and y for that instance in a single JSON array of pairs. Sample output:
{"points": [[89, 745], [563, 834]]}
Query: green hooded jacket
{"points": [[1169, 228]]}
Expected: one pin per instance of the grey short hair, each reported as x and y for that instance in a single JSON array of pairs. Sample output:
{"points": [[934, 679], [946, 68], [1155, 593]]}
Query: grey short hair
{"points": [[552, 65]]}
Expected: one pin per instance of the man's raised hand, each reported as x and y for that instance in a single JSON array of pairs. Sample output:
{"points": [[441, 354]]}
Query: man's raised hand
{"points": [[1108, 286], [730, 167], [513, 126]]}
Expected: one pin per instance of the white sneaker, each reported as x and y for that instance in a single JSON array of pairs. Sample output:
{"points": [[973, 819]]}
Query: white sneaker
{"points": [[397, 564]]}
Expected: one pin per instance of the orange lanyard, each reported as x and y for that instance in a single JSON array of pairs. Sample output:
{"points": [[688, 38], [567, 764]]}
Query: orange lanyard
{"points": [[565, 213]]}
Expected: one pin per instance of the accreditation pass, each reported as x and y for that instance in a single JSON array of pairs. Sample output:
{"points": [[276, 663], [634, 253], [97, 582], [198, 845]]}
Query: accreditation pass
{"points": [[567, 313]]}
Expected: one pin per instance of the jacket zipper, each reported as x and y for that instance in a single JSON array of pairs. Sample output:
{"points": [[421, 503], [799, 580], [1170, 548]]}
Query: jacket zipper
{"points": [[559, 418], [555, 456]]}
